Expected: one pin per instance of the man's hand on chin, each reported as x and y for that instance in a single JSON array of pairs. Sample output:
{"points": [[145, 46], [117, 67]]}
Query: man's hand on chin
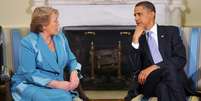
{"points": [[145, 73]]}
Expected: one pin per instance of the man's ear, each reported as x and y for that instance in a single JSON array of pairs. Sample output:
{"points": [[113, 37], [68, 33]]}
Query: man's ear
{"points": [[153, 14]]}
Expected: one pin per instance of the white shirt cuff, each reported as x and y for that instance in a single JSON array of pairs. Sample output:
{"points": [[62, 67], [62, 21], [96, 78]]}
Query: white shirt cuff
{"points": [[135, 45]]}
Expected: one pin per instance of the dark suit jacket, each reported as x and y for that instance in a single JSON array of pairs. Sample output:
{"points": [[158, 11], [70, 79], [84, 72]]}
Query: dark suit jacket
{"points": [[171, 48]]}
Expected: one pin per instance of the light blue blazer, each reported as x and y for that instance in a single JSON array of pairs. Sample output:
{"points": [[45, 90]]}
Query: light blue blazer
{"points": [[38, 66]]}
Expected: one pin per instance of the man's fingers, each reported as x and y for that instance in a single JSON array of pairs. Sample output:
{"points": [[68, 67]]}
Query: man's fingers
{"points": [[142, 77]]}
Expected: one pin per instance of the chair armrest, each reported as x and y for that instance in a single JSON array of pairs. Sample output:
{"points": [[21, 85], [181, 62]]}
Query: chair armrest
{"points": [[5, 74], [5, 77]]}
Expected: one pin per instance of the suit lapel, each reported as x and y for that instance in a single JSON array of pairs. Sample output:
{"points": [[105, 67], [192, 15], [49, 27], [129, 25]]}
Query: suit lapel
{"points": [[161, 43], [161, 40], [48, 56]]}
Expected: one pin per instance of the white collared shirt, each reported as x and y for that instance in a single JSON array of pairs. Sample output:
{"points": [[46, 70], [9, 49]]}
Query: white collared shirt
{"points": [[154, 35]]}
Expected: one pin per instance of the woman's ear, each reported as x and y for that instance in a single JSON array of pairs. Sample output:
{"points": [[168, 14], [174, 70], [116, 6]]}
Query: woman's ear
{"points": [[44, 28]]}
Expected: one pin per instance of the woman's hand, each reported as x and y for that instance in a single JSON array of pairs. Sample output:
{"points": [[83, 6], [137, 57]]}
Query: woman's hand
{"points": [[74, 80], [65, 85]]}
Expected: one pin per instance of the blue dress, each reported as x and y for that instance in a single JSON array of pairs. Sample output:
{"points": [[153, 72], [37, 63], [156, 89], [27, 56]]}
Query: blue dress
{"points": [[38, 66]]}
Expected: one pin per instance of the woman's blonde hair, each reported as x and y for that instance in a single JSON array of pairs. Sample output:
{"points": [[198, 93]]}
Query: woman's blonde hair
{"points": [[41, 17]]}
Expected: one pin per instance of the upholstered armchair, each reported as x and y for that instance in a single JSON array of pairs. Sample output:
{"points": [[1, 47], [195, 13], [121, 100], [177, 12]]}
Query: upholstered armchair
{"points": [[4, 72], [16, 35], [192, 41]]}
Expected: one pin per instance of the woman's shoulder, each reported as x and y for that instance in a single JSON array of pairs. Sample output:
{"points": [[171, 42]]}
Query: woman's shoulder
{"points": [[30, 38], [60, 36]]}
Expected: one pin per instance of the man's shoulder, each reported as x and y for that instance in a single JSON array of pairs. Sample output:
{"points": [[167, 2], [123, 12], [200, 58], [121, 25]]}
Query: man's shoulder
{"points": [[168, 27], [170, 31]]}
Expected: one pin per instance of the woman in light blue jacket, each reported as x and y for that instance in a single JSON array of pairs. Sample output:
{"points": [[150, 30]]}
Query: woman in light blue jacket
{"points": [[43, 55]]}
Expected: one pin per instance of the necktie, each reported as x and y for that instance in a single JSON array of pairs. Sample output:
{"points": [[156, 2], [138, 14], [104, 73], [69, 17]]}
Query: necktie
{"points": [[155, 53]]}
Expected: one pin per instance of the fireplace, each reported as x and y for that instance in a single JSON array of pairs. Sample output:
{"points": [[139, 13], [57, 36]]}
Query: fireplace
{"points": [[102, 52], [111, 12]]}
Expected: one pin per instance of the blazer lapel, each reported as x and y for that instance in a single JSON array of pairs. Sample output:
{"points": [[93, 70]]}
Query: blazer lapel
{"points": [[48, 56], [59, 45]]}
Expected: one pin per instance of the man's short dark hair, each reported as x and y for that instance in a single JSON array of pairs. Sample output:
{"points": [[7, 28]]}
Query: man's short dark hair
{"points": [[147, 5]]}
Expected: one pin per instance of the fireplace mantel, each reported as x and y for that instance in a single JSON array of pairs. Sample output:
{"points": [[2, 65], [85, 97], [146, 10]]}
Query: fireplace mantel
{"points": [[111, 12]]}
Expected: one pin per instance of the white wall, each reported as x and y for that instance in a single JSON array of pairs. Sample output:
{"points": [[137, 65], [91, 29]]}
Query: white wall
{"points": [[192, 14], [16, 13]]}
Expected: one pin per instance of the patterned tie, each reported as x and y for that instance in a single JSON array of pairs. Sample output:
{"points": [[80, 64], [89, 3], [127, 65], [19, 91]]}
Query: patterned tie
{"points": [[154, 48]]}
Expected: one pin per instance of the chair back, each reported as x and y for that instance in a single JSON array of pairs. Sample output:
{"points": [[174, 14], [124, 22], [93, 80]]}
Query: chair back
{"points": [[15, 39], [192, 41]]}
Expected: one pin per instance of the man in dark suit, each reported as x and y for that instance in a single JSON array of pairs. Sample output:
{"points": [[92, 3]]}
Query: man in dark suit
{"points": [[157, 57]]}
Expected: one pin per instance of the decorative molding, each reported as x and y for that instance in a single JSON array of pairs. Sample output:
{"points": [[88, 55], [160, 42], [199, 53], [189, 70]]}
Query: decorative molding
{"points": [[91, 2], [169, 12], [176, 8], [177, 4]]}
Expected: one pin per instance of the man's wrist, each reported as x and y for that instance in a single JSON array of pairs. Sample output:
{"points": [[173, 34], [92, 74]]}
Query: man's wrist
{"points": [[135, 45], [158, 67], [135, 40]]}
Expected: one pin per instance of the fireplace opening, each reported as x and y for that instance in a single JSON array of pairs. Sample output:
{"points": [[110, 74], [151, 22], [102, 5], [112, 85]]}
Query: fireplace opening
{"points": [[102, 52]]}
